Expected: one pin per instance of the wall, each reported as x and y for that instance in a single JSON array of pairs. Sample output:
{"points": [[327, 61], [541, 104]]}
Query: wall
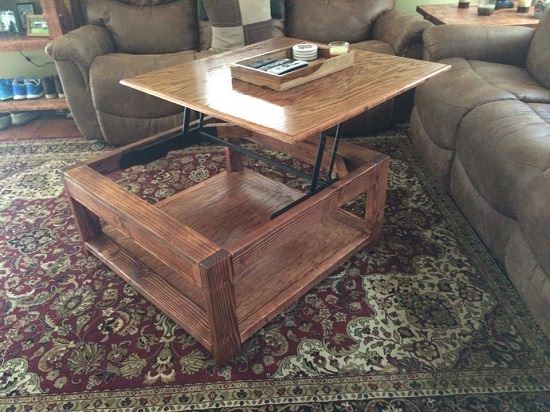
{"points": [[13, 64]]}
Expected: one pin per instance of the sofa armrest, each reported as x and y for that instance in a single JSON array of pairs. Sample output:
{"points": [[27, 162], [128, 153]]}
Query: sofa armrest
{"points": [[81, 46], [400, 30], [497, 44]]}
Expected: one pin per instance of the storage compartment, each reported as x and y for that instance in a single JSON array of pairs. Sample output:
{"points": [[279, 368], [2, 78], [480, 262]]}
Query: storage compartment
{"points": [[324, 65]]}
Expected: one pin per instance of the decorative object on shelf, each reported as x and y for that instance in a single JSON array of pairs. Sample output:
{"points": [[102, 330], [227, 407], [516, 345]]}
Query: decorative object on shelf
{"points": [[524, 6], [8, 24], [336, 48], [463, 4], [37, 25], [504, 4], [486, 7], [539, 9], [23, 10]]}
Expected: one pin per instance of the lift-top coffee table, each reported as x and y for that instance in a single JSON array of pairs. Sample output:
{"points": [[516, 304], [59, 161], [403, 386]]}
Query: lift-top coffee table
{"points": [[225, 256]]}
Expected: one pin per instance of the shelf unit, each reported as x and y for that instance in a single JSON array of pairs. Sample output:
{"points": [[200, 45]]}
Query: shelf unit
{"points": [[55, 13]]}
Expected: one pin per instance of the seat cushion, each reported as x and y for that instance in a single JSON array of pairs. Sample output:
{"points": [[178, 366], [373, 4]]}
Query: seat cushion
{"points": [[538, 56], [502, 146], [375, 46], [513, 79], [534, 217], [321, 20], [109, 96], [161, 28], [444, 100]]}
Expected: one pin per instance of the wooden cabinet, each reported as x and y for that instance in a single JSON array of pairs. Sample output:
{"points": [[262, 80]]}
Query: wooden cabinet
{"points": [[56, 14]]}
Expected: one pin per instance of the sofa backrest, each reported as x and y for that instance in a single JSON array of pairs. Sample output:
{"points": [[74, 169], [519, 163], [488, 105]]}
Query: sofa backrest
{"points": [[538, 57], [146, 26], [329, 20]]}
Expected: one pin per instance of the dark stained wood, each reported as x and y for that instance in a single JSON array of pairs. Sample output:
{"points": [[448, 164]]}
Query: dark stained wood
{"points": [[87, 223], [229, 205], [174, 279], [153, 287], [293, 265], [217, 239], [177, 245], [233, 159], [376, 199], [217, 283], [292, 115], [451, 14]]}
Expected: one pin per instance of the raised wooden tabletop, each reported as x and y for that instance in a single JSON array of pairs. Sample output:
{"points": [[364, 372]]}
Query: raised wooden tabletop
{"points": [[293, 115], [451, 14]]}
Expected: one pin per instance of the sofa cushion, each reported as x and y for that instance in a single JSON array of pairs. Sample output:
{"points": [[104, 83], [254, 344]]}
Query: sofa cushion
{"points": [[513, 79], [534, 217], [109, 96], [538, 57], [503, 145], [443, 101], [309, 19], [136, 29], [236, 23]]}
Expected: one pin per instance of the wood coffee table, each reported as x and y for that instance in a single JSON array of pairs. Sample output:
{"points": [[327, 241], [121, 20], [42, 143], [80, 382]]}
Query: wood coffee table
{"points": [[451, 14], [225, 256]]}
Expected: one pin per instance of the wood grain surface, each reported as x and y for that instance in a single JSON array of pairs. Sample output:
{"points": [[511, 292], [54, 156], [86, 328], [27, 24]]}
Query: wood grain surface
{"points": [[451, 14], [292, 115], [227, 206]]}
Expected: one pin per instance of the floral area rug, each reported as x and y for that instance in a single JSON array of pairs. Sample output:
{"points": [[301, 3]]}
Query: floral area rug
{"points": [[424, 320]]}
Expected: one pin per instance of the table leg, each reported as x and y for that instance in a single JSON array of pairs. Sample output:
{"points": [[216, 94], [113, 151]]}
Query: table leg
{"points": [[376, 200], [219, 294], [87, 222], [233, 159]]}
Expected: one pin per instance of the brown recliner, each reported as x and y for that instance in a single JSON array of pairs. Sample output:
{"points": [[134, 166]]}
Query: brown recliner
{"points": [[483, 128], [123, 38]]}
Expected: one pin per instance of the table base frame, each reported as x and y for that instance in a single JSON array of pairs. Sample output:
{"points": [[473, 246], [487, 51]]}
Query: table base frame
{"points": [[223, 275]]}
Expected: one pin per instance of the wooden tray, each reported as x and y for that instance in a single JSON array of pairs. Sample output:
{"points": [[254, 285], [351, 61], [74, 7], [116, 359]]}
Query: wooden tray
{"points": [[324, 65]]}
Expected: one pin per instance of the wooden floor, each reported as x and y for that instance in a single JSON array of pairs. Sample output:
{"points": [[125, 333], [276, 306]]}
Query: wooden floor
{"points": [[47, 126]]}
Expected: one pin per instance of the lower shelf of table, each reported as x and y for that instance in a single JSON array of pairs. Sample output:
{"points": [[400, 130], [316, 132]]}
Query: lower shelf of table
{"points": [[226, 209]]}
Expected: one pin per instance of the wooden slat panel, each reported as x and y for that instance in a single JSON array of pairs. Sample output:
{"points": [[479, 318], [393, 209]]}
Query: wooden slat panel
{"points": [[176, 245], [301, 216], [155, 289], [174, 279], [229, 205], [274, 280]]}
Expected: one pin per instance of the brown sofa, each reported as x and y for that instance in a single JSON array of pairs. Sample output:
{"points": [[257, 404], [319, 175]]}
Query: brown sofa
{"points": [[123, 38], [483, 128]]}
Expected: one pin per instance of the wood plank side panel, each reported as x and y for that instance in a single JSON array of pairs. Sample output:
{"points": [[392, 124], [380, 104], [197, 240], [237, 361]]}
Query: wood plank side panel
{"points": [[174, 279], [176, 245], [284, 283], [109, 162], [153, 287], [219, 294], [87, 222]]}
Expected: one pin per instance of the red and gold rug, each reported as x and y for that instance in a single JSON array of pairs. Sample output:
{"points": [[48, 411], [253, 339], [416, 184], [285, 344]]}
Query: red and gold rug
{"points": [[425, 320]]}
